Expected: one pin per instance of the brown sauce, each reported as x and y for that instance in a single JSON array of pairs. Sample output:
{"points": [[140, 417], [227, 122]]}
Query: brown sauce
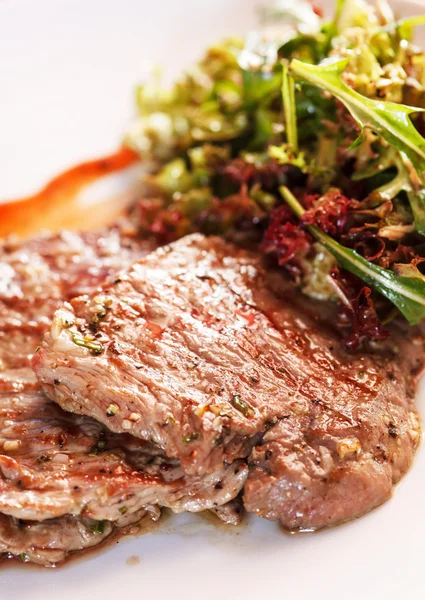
{"points": [[57, 205]]}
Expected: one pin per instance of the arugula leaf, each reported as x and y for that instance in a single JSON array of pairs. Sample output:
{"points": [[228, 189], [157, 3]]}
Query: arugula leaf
{"points": [[389, 120], [390, 190], [385, 160], [407, 293]]}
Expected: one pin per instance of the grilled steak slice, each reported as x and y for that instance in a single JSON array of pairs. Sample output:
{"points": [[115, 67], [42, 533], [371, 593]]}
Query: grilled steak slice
{"points": [[38, 274], [51, 542], [203, 352], [178, 365], [332, 464], [54, 463]]}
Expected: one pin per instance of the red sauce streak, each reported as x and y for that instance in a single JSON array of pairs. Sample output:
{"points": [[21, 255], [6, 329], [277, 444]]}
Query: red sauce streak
{"points": [[56, 205]]}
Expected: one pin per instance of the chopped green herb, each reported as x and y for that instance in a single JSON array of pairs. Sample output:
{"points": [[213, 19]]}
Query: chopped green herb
{"points": [[100, 445], [122, 510], [242, 406], [170, 419], [85, 342], [191, 437], [98, 527]]}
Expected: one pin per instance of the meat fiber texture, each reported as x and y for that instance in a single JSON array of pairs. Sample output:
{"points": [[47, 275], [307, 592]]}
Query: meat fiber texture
{"points": [[200, 350], [66, 482]]}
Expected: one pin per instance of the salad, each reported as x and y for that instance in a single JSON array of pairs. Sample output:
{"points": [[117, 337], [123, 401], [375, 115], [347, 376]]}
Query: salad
{"points": [[305, 142]]}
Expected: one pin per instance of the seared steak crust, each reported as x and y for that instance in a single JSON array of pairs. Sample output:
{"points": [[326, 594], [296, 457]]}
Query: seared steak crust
{"points": [[200, 350]]}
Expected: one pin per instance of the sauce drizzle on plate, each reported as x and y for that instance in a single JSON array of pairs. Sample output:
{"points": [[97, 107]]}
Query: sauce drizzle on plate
{"points": [[58, 204]]}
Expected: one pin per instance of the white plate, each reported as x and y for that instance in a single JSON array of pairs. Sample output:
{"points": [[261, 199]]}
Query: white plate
{"points": [[67, 70]]}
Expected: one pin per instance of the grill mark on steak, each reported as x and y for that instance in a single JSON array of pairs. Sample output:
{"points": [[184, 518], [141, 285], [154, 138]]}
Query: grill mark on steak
{"points": [[221, 360]]}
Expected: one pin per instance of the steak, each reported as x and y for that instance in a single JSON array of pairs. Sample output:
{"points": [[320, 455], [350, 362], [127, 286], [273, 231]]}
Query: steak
{"points": [[201, 350], [66, 482]]}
